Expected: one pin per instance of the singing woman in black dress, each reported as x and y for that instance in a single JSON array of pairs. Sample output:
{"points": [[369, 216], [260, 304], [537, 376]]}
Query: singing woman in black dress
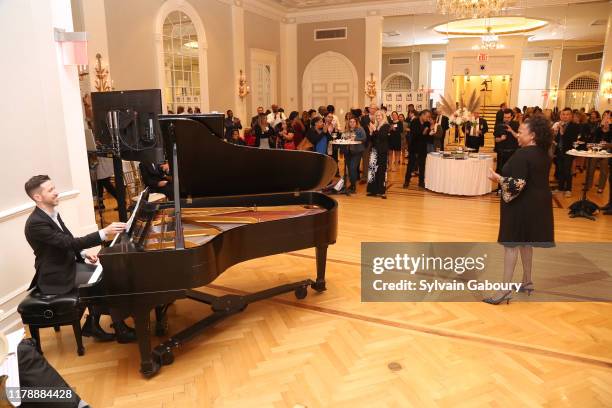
{"points": [[526, 217]]}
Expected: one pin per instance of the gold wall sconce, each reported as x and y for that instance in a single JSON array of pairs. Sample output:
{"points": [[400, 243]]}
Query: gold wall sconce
{"points": [[243, 88], [102, 84], [370, 88], [606, 85]]}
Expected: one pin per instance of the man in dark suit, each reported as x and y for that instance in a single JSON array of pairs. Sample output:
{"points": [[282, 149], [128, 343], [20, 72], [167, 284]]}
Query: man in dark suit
{"points": [[475, 137], [499, 116], [157, 178], [254, 119], [566, 133], [420, 131], [60, 257]]}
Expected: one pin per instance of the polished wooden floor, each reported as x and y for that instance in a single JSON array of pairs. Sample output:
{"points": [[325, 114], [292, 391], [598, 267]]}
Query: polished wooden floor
{"points": [[331, 350]]}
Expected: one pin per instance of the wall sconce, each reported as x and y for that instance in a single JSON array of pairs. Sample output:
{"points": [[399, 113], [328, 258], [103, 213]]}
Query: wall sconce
{"points": [[102, 73], [554, 93], [243, 88], [606, 85], [370, 88], [74, 46]]}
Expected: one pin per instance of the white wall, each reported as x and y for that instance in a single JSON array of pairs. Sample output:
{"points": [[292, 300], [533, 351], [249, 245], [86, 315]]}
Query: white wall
{"points": [[42, 132]]}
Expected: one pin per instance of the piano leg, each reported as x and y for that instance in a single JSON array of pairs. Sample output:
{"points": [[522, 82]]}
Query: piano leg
{"points": [[321, 253], [148, 366], [161, 319]]}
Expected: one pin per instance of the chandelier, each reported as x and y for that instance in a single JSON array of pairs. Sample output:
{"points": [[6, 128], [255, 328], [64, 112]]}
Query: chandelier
{"points": [[471, 8], [489, 41]]}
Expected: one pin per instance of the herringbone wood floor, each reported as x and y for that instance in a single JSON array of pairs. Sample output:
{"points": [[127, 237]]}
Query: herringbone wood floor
{"points": [[331, 350]]}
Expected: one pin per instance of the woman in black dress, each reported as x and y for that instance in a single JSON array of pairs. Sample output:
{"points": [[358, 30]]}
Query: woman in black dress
{"points": [[526, 216], [395, 141], [377, 172]]}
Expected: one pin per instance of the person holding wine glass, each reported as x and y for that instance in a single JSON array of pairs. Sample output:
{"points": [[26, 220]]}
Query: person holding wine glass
{"points": [[354, 132], [526, 216]]}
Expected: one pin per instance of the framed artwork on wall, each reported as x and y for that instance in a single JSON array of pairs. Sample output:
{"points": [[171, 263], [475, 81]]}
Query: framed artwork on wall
{"points": [[419, 97], [398, 97], [409, 97], [389, 97], [398, 108]]}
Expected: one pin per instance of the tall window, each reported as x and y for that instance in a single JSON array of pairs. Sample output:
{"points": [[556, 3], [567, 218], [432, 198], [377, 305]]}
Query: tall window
{"points": [[181, 62], [533, 83], [438, 76]]}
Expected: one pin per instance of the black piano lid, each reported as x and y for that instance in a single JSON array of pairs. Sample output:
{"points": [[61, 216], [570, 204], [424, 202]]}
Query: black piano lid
{"points": [[211, 167]]}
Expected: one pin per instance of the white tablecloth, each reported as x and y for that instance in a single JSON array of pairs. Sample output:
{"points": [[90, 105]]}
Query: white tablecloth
{"points": [[459, 177]]}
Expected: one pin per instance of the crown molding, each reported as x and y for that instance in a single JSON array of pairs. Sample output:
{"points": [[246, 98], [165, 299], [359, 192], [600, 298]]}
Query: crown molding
{"points": [[264, 8], [384, 8]]}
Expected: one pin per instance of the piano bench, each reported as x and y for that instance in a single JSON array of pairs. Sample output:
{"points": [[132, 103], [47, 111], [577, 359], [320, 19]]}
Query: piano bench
{"points": [[39, 311]]}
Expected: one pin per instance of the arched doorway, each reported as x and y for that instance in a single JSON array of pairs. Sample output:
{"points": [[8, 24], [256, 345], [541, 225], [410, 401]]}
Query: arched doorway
{"points": [[397, 81], [181, 56], [581, 91], [330, 79], [397, 89]]}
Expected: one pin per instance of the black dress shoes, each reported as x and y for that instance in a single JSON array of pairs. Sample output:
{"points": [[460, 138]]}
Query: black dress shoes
{"points": [[92, 328], [124, 333]]}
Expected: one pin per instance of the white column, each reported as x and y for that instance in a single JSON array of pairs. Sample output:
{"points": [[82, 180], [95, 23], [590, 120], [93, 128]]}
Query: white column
{"points": [[555, 72], [424, 70], [72, 124], [606, 67], [373, 54], [239, 53], [288, 68], [94, 23]]}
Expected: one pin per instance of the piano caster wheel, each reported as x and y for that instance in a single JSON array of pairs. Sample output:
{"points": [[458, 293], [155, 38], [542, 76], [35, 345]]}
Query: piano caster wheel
{"points": [[81, 351], [163, 355], [149, 369], [301, 292]]}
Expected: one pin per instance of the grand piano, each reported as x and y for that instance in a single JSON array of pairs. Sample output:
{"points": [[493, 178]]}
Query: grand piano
{"points": [[236, 203]]}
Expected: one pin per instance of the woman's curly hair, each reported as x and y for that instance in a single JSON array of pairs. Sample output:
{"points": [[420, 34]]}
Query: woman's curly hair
{"points": [[542, 129]]}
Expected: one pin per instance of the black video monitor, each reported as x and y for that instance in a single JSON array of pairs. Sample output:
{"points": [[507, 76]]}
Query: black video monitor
{"points": [[126, 122]]}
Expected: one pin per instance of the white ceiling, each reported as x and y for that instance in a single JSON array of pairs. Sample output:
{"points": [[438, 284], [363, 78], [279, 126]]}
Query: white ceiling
{"points": [[571, 22], [413, 20]]}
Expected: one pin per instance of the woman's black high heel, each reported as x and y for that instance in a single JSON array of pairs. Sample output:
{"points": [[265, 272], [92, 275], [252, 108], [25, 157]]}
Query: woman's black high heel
{"points": [[526, 287], [496, 301]]}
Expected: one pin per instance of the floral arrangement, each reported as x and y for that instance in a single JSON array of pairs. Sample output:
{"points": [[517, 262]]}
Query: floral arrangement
{"points": [[460, 116], [463, 114]]}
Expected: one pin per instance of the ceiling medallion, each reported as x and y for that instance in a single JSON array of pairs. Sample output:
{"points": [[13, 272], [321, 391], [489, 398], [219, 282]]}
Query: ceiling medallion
{"points": [[471, 8], [503, 25]]}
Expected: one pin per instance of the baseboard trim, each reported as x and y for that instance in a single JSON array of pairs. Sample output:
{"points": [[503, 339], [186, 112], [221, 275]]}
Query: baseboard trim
{"points": [[7, 298], [28, 206]]}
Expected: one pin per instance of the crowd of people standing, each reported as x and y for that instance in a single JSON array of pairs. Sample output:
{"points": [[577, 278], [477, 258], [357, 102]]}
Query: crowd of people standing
{"points": [[388, 139]]}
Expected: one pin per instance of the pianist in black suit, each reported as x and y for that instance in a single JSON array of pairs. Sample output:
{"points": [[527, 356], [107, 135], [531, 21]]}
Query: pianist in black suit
{"points": [[157, 178], [60, 257]]}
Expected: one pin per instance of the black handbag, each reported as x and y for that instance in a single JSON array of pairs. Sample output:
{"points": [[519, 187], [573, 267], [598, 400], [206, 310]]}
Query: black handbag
{"points": [[36, 373]]}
